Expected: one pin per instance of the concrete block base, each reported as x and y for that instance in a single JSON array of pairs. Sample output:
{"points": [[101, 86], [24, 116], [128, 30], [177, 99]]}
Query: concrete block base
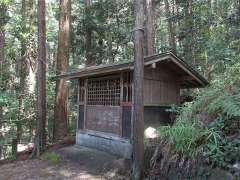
{"points": [[104, 142]]}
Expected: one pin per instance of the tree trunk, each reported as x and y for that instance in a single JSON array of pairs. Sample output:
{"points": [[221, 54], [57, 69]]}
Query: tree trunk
{"points": [[40, 139], [1, 136], [2, 42], [172, 40], [3, 10], [31, 53], [23, 75], [188, 44], [31, 50], [61, 96], [138, 116], [88, 36], [149, 34]]}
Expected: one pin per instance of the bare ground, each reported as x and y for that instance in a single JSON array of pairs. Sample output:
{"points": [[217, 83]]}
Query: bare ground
{"points": [[76, 163]]}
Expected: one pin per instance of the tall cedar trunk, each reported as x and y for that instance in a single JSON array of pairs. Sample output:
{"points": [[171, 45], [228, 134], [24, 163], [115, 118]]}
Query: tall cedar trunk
{"points": [[61, 98], [88, 36], [149, 28], [31, 60], [3, 10], [207, 67], [174, 23], [172, 40], [1, 136], [2, 43], [188, 44], [40, 139], [138, 121]]}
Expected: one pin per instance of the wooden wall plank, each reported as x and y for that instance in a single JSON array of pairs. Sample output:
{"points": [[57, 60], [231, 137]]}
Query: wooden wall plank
{"points": [[81, 117], [126, 121], [104, 118], [160, 87]]}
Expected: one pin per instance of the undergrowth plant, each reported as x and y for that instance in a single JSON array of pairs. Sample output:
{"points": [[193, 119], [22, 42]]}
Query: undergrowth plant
{"points": [[52, 158], [209, 126]]}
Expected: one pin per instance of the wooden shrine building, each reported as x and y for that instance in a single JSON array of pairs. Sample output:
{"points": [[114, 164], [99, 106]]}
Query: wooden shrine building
{"points": [[105, 99]]}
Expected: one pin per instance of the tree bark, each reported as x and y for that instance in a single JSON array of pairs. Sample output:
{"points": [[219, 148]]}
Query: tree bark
{"points": [[22, 76], [1, 136], [3, 10], [172, 40], [40, 139], [88, 36], [149, 28], [188, 44], [61, 94], [2, 42], [138, 113], [31, 49], [31, 52]]}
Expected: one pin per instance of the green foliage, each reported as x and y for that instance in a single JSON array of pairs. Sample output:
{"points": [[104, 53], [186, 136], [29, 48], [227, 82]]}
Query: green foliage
{"points": [[209, 126], [52, 158], [50, 85], [111, 23], [184, 136], [221, 150]]}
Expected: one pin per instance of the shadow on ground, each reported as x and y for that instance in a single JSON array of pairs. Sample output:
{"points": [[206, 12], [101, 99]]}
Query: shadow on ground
{"points": [[76, 163]]}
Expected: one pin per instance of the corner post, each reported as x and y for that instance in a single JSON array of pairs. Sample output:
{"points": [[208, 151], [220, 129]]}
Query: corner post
{"points": [[85, 101]]}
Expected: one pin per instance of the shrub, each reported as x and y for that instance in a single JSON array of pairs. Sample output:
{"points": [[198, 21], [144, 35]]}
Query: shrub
{"points": [[183, 137], [209, 126]]}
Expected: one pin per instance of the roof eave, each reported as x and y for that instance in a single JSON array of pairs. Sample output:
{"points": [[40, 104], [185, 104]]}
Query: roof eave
{"points": [[107, 69]]}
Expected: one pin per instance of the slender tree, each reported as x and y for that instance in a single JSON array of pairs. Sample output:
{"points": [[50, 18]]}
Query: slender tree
{"points": [[22, 75], [188, 43], [3, 10], [138, 116], [61, 97], [149, 28], [172, 40], [40, 139], [88, 35]]}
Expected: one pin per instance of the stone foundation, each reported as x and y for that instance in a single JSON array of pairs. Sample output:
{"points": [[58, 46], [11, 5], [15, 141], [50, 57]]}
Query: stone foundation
{"points": [[104, 142]]}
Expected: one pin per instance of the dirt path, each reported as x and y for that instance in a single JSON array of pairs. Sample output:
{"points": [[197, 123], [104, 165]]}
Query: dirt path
{"points": [[76, 163]]}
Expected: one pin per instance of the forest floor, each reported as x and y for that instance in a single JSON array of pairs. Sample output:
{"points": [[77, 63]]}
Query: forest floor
{"points": [[75, 163]]}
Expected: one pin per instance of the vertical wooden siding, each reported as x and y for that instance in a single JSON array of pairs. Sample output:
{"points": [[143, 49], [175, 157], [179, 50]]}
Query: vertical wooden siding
{"points": [[160, 87], [81, 117], [104, 118], [126, 121]]}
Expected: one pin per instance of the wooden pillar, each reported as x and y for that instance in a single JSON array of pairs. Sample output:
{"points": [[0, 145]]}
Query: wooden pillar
{"points": [[121, 102], [121, 85], [85, 101], [78, 102]]}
